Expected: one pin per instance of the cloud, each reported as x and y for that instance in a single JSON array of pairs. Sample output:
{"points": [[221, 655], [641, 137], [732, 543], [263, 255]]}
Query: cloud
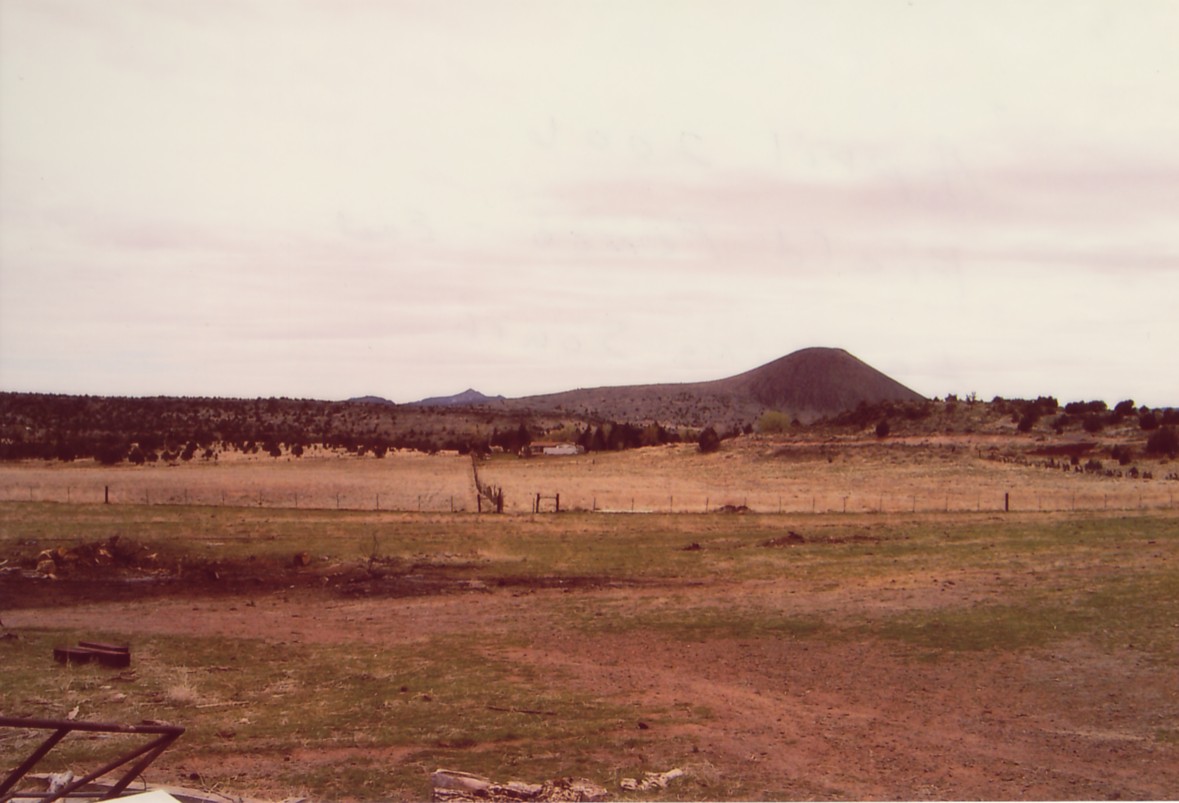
{"points": [[1089, 217], [276, 197]]}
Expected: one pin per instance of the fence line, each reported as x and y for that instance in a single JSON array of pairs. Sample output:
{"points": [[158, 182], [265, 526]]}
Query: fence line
{"points": [[728, 500], [389, 501], [492, 493], [825, 504]]}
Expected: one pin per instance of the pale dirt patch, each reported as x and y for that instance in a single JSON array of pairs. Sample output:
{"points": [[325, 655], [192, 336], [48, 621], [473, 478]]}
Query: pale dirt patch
{"points": [[244, 772], [861, 721], [798, 717]]}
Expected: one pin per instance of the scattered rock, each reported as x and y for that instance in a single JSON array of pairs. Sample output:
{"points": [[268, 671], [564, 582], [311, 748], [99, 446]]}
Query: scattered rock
{"points": [[732, 509], [113, 553], [651, 780], [59, 781], [790, 539], [463, 786]]}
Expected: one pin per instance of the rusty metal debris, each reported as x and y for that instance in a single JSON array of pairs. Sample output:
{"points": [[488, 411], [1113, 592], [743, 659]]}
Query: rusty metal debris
{"points": [[453, 785], [132, 762]]}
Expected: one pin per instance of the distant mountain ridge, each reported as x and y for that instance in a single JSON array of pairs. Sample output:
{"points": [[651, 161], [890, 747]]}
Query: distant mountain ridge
{"points": [[469, 397], [809, 384], [370, 400]]}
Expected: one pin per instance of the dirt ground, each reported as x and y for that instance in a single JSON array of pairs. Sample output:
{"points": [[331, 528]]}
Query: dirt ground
{"points": [[794, 718]]}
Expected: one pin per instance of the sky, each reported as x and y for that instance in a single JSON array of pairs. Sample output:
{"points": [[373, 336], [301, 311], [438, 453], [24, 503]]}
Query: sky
{"points": [[326, 200]]}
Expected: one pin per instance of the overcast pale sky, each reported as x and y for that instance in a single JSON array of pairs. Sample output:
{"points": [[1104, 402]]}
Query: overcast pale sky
{"points": [[317, 199]]}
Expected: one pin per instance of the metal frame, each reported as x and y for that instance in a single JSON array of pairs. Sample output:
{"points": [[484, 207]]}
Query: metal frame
{"points": [[142, 756]]}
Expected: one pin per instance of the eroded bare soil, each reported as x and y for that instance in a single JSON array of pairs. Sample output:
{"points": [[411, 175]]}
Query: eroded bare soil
{"points": [[794, 717]]}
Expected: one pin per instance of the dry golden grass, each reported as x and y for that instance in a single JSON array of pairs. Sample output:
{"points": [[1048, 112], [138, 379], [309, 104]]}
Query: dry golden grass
{"points": [[901, 475], [856, 476], [182, 692], [402, 481]]}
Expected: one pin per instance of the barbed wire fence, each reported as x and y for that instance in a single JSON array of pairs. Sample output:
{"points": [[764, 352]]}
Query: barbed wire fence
{"points": [[493, 495], [486, 497], [391, 500], [866, 502]]}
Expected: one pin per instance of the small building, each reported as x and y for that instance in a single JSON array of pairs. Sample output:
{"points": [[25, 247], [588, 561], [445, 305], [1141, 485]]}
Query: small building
{"points": [[554, 448]]}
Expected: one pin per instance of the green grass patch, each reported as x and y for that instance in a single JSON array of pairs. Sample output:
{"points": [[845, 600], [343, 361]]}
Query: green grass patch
{"points": [[1118, 609], [989, 627], [647, 547], [441, 703], [377, 718], [697, 623], [1168, 735]]}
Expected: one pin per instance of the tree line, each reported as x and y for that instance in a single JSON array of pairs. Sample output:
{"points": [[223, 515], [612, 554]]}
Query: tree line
{"points": [[170, 429]]}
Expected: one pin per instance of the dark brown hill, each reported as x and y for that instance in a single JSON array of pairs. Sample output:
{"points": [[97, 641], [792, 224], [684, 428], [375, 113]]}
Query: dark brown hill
{"points": [[807, 384], [816, 382]]}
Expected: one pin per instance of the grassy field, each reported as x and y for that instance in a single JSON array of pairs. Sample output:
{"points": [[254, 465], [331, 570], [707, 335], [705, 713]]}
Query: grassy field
{"points": [[923, 655], [408, 481], [923, 474], [861, 477]]}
